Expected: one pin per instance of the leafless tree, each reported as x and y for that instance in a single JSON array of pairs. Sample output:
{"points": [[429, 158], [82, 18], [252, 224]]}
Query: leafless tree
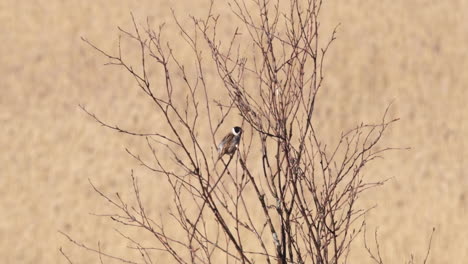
{"points": [[285, 196]]}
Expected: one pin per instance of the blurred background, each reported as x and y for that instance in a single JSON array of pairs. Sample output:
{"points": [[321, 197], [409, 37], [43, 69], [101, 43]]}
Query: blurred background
{"points": [[411, 53]]}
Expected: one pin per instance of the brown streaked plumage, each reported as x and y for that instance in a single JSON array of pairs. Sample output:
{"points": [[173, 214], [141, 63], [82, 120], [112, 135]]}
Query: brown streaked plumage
{"points": [[230, 143]]}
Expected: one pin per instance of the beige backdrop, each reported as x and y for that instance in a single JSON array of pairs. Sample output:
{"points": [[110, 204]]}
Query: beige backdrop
{"points": [[410, 52]]}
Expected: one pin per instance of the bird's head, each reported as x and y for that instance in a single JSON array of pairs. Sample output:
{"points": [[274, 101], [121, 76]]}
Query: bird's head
{"points": [[236, 131]]}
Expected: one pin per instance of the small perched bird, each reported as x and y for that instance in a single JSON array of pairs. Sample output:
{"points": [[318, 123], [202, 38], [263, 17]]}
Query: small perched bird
{"points": [[230, 142]]}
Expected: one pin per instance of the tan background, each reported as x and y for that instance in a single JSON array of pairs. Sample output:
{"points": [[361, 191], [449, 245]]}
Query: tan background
{"points": [[410, 52]]}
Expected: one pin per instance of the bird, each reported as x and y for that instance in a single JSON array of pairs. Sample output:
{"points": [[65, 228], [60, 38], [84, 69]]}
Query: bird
{"points": [[230, 143]]}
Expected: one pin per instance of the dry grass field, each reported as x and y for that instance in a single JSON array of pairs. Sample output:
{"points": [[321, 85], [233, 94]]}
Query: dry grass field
{"points": [[410, 52]]}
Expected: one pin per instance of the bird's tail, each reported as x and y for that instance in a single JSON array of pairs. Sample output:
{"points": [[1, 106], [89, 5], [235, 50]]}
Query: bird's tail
{"points": [[216, 162]]}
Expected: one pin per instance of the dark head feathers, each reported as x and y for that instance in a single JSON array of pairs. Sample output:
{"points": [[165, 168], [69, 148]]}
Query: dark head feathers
{"points": [[236, 130]]}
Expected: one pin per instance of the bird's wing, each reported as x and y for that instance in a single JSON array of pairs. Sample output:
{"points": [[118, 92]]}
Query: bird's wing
{"points": [[223, 142]]}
